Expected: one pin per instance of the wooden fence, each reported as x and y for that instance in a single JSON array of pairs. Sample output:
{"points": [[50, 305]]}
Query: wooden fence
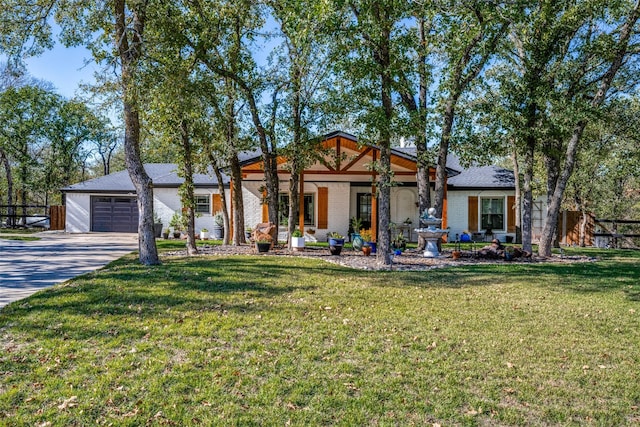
{"points": [[28, 216]]}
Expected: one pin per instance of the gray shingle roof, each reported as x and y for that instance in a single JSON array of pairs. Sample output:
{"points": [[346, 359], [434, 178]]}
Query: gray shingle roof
{"points": [[473, 176], [162, 175], [483, 177]]}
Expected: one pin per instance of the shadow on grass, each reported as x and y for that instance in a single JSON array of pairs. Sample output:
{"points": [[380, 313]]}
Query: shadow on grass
{"points": [[129, 294], [615, 271]]}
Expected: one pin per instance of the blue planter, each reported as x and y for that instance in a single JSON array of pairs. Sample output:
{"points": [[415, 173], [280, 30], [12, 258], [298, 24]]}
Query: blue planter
{"points": [[336, 242], [374, 248], [357, 242]]}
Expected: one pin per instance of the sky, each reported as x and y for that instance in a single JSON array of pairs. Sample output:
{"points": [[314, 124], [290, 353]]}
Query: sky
{"points": [[64, 67]]}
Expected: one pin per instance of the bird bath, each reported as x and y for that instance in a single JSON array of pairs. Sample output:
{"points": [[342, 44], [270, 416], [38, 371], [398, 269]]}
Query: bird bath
{"points": [[430, 233]]}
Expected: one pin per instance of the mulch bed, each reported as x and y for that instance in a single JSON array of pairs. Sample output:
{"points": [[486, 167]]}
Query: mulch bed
{"points": [[410, 260]]}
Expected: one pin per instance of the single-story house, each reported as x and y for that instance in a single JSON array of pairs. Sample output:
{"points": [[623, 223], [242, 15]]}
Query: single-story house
{"points": [[339, 186]]}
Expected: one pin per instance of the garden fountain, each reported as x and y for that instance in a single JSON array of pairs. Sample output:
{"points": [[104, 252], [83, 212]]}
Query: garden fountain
{"points": [[430, 233]]}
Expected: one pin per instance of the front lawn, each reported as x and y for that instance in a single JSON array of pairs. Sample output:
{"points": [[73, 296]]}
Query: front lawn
{"points": [[265, 340]]}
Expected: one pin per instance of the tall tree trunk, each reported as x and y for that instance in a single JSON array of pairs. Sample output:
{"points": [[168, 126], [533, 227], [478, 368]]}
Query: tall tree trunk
{"points": [[527, 196], [7, 169], [187, 190], [294, 181], [223, 197], [418, 114], [518, 195], [129, 53], [583, 227], [443, 151], [238, 201], [617, 61]]}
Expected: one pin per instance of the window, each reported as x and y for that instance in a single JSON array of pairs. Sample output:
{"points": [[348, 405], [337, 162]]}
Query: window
{"points": [[309, 209], [202, 204], [363, 208], [492, 214]]}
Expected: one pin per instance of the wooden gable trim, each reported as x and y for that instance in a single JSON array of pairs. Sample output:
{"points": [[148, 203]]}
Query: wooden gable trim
{"points": [[339, 144], [357, 159]]}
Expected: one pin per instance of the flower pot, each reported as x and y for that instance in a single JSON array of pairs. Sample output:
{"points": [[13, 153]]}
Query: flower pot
{"points": [[374, 248], [217, 232], [204, 235], [176, 234], [297, 243], [263, 246], [165, 235], [335, 250], [357, 242], [366, 250], [157, 229], [456, 254], [336, 242]]}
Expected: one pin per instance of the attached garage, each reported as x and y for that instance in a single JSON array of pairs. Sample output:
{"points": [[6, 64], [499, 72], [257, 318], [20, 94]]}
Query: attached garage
{"points": [[114, 214], [108, 203]]}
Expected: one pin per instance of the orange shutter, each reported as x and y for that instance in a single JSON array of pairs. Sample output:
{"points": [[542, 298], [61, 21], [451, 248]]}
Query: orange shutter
{"points": [[473, 214], [216, 203], [511, 214], [323, 207]]}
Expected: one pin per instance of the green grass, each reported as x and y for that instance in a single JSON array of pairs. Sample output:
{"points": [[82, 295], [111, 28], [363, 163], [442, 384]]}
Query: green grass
{"points": [[19, 234], [261, 340], [23, 238]]}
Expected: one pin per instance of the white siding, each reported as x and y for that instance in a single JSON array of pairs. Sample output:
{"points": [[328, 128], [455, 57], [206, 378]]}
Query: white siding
{"points": [[339, 212], [458, 211], [78, 213], [166, 201], [251, 198]]}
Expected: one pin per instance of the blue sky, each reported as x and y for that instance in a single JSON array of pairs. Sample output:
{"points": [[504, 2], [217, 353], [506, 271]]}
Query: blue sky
{"points": [[64, 67]]}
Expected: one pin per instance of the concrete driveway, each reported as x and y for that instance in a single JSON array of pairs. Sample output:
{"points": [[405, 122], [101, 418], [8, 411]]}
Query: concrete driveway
{"points": [[27, 267]]}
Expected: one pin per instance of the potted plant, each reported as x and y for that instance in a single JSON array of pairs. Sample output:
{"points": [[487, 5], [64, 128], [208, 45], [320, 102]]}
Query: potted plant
{"points": [[356, 225], [366, 249], [157, 225], [165, 233], [247, 233], [263, 244], [204, 234], [336, 242], [176, 224], [368, 238], [508, 253], [399, 242], [297, 240], [217, 231]]}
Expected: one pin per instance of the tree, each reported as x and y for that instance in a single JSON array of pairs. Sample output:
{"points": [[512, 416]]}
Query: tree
{"points": [[235, 27], [26, 30], [305, 62], [374, 24], [25, 113], [471, 34], [598, 79]]}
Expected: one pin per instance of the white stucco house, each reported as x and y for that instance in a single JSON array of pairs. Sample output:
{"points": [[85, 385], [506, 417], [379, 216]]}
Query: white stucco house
{"points": [[339, 186]]}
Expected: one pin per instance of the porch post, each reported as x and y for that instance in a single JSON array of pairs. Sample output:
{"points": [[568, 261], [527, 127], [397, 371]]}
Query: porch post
{"points": [[301, 202]]}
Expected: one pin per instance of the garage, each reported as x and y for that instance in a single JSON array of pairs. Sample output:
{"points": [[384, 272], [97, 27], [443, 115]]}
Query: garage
{"points": [[114, 214]]}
